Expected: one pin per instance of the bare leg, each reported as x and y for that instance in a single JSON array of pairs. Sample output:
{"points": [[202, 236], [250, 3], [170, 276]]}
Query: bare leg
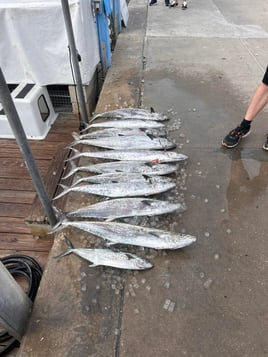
{"points": [[258, 102]]}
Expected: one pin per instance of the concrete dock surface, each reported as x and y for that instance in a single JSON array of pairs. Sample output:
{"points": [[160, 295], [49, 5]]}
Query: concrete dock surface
{"points": [[200, 66]]}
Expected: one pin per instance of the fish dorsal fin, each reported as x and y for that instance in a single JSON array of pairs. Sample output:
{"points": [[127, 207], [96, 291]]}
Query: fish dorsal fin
{"points": [[154, 234], [152, 110], [149, 164]]}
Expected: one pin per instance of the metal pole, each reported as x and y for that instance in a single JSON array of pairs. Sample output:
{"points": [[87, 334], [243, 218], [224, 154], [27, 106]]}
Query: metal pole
{"points": [[17, 128], [74, 57], [15, 305]]}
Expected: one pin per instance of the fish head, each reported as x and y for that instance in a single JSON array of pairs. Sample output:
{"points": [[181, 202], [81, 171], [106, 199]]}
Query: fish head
{"points": [[140, 263], [189, 239], [145, 265]]}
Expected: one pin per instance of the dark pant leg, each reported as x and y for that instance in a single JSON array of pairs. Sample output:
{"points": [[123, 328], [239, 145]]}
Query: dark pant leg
{"points": [[265, 78]]}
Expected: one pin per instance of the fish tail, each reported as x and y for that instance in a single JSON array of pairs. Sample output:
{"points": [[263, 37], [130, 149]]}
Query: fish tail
{"points": [[76, 140], [71, 172], [59, 213], [68, 242], [96, 116], [87, 127], [78, 181], [76, 153], [75, 136], [58, 226], [73, 143], [63, 254], [65, 190]]}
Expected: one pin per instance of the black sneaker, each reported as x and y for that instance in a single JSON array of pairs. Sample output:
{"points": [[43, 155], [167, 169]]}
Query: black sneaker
{"points": [[235, 136], [265, 145]]}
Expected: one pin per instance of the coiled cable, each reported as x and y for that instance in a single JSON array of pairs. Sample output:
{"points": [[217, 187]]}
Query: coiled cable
{"points": [[28, 268]]}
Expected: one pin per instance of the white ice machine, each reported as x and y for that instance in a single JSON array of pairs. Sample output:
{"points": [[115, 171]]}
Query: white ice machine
{"points": [[35, 111]]}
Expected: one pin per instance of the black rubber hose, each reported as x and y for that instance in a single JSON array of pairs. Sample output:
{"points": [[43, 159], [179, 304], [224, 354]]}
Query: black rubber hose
{"points": [[29, 268]]}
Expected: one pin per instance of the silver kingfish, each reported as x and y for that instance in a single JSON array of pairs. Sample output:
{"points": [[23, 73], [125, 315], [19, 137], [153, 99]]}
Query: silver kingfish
{"points": [[128, 143], [129, 124], [111, 178], [150, 186], [132, 113], [153, 156], [107, 257], [122, 233], [124, 167], [124, 207], [111, 132]]}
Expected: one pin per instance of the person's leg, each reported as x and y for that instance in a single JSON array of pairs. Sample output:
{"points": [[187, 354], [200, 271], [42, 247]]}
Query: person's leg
{"points": [[257, 103], [184, 5]]}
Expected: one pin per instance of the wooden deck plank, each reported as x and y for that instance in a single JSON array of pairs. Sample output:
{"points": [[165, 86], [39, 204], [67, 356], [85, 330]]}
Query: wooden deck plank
{"points": [[16, 166], [17, 192], [25, 241], [13, 224], [18, 210], [21, 185], [10, 152], [37, 214], [14, 196]]}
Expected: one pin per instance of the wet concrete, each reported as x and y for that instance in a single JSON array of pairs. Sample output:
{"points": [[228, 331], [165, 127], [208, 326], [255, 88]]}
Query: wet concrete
{"points": [[218, 283], [201, 67]]}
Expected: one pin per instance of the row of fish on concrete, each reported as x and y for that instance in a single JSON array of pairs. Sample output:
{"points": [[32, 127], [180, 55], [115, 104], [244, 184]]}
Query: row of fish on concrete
{"points": [[136, 142]]}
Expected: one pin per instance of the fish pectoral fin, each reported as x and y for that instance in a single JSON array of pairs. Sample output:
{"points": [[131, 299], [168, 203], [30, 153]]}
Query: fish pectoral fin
{"points": [[150, 136], [147, 178], [130, 256], [146, 203]]}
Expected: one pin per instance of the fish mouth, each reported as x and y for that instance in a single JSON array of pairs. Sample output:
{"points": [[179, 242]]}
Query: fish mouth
{"points": [[145, 265]]}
